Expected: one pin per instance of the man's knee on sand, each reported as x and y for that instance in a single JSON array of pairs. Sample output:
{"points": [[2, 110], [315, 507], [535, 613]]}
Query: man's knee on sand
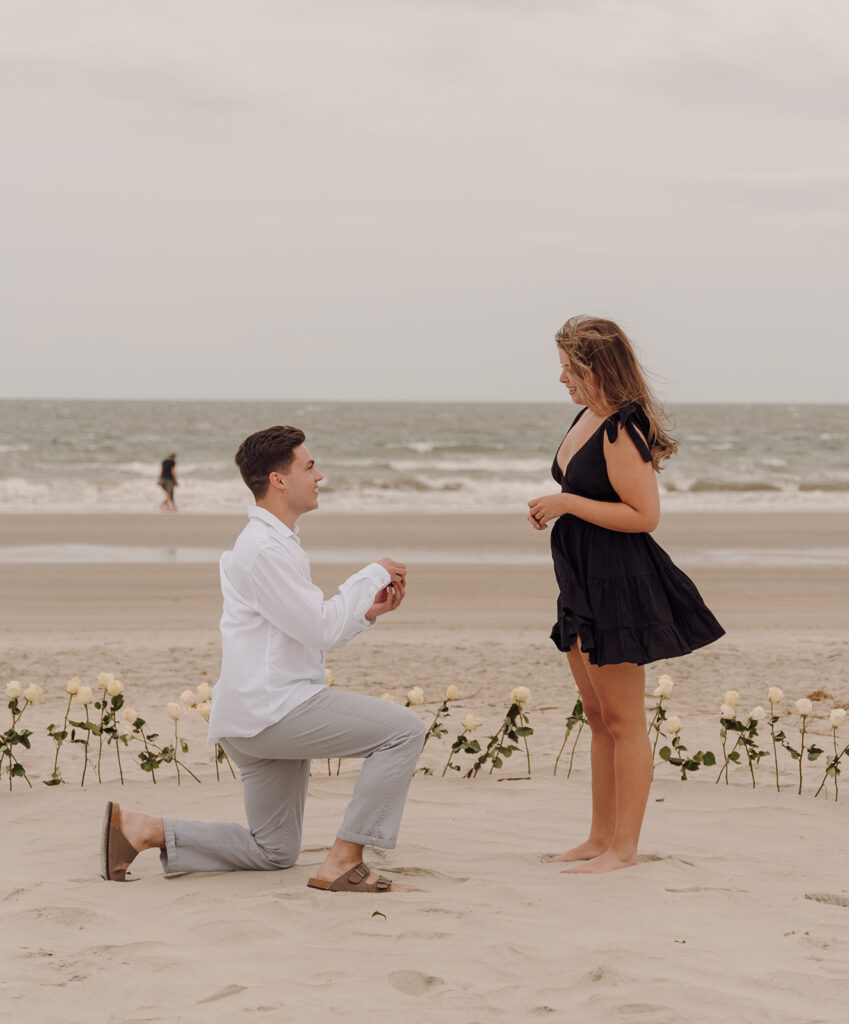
{"points": [[411, 732], [282, 854]]}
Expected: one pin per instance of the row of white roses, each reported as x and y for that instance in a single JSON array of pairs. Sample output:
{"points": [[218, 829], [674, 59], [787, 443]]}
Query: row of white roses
{"points": [[520, 695], [731, 699]]}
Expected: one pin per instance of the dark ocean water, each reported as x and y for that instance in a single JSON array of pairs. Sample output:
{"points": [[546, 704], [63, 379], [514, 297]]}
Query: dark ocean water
{"points": [[79, 456]]}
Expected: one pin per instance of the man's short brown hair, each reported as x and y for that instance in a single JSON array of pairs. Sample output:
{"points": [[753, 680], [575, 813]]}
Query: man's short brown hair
{"points": [[267, 451]]}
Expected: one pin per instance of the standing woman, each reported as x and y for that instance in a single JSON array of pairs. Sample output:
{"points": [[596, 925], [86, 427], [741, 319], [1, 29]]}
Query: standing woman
{"points": [[622, 603]]}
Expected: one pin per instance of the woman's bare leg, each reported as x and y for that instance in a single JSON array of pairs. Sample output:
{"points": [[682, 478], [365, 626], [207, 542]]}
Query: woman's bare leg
{"points": [[603, 824], [620, 690]]}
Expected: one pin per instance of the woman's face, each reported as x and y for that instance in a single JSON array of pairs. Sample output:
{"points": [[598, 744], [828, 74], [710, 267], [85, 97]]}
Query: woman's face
{"points": [[570, 382]]}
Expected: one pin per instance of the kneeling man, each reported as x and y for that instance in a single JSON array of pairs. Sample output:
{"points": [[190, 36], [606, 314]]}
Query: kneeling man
{"points": [[272, 710]]}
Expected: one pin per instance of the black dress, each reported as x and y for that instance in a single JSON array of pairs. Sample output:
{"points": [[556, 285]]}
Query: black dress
{"points": [[620, 592]]}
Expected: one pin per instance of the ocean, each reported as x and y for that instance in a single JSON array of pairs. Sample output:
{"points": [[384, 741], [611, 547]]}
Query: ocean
{"points": [[436, 458]]}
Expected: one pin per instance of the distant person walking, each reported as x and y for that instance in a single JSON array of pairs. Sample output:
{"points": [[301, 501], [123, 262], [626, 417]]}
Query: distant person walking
{"points": [[168, 481]]}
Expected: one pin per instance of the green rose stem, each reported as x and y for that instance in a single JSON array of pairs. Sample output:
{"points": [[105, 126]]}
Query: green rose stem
{"points": [[176, 748], [574, 745], [496, 746], [774, 747], [178, 763], [802, 752], [751, 725], [523, 719], [147, 751], [102, 704], [575, 718], [461, 743], [432, 729], [657, 718], [727, 758], [64, 729], [118, 755], [834, 767], [87, 731], [13, 761]]}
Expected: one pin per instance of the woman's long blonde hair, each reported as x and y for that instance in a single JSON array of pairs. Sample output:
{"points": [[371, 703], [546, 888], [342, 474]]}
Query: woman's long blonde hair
{"points": [[603, 362]]}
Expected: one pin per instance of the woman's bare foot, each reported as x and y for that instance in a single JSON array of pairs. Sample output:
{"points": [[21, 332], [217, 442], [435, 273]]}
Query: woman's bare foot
{"points": [[586, 851], [607, 861]]}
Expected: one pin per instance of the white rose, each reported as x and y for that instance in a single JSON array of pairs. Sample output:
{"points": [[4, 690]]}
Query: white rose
{"points": [[125, 730], [757, 714], [775, 694], [470, 723], [204, 708], [204, 691], [328, 677], [173, 711], [416, 695], [521, 695], [665, 685], [73, 685], [188, 698], [732, 698], [84, 695], [837, 717], [104, 679], [130, 715], [33, 693], [386, 696], [804, 707], [13, 689], [727, 711], [673, 724], [114, 687], [452, 692]]}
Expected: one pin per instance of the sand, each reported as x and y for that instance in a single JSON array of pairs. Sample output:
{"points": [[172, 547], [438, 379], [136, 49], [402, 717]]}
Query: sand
{"points": [[739, 909]]}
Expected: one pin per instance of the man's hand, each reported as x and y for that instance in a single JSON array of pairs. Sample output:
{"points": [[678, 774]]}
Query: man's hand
{"points": [[397, 570], [388, 599]]}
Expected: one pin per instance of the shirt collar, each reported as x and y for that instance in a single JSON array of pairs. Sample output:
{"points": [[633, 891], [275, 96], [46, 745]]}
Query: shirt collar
{"points": [[256, 512]]}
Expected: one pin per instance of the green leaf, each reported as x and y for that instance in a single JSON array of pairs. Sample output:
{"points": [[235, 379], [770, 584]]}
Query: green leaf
{"points": [[665, 753], [524, 730], [709, 758]]}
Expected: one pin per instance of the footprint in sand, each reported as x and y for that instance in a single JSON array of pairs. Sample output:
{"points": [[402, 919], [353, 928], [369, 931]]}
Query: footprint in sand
{"points": [[223, 993], [834, 899], [425, 876], [413, 983], [652, 858]]}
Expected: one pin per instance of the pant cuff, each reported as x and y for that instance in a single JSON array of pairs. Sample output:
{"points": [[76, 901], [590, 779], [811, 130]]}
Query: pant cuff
{"points": [[355, 837], [169, 857]]}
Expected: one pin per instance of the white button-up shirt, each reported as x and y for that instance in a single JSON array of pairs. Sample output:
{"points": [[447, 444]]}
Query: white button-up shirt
{"points": [[276, 626]]}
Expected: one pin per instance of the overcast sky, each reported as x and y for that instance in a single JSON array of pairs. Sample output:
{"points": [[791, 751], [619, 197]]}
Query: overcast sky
{"points": [[365, 199]]}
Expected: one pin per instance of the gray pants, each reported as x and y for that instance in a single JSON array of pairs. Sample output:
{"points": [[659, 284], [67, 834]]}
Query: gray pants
{"points": [[274, 766]]}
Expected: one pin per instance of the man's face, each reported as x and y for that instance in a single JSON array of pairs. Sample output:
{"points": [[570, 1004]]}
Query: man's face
{"points": [[301, 481]]}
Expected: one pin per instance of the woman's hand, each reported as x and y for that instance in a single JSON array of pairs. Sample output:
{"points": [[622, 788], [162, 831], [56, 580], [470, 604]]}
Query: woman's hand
{"points": [[550, 506]]}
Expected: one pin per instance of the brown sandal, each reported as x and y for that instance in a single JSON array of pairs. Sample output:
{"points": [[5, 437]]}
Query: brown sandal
{"points": [[353, 881], [116, 852]]}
